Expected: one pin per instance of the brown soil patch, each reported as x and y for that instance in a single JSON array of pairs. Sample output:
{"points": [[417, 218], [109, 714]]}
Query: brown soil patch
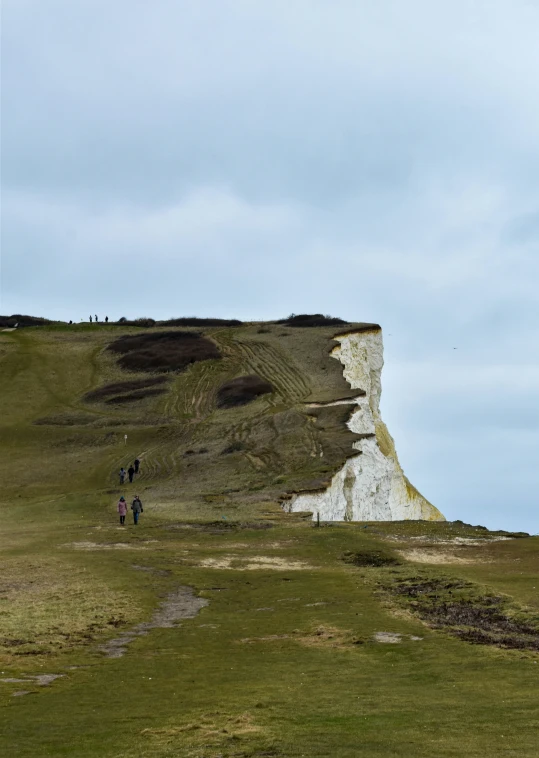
{"points": [[466, 611]]}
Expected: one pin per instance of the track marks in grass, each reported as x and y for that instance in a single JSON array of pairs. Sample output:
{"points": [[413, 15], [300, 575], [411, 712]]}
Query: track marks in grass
{"points": [[277, 368]]}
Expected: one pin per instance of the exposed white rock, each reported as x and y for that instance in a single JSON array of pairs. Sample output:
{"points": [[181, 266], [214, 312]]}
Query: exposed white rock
{"points": [[371, 486]]}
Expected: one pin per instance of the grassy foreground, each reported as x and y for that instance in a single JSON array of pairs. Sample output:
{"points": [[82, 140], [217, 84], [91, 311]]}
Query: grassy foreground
{"points": [[308, 644]]}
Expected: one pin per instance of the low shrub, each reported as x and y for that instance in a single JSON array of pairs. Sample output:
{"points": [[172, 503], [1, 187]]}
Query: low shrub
{"points": [[133, 397], [234, 447], [242, 390], [193, 321], [370, 558], [8, 322], [143, 322], [108, 390], [315, 319], [163, 351]]}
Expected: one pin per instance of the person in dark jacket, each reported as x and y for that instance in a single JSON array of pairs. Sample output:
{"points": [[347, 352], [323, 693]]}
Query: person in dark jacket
{"points": [[131, 472], [136, 507], [137, 465], [122, 475]]}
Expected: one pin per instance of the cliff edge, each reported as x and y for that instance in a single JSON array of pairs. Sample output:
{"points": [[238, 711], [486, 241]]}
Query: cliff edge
{"points": [[371, 486]]}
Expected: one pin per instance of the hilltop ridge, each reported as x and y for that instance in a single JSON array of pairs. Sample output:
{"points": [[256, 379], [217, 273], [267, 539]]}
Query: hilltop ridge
{"points": [[285, 428]]}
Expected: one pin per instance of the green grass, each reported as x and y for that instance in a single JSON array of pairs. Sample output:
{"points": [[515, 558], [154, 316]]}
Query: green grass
{"points": [[283, 661]]}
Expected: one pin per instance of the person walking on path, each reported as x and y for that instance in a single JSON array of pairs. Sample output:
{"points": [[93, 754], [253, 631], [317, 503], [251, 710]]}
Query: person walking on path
{"points": [[136, 507], [122, 510], [131, 472], [137, 465], [122, 475]]}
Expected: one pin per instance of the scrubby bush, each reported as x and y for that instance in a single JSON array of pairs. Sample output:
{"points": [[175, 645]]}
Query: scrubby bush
{"points": [[241, 391], [193, 321], [315, 319], [8, 322], [163, 351], [108, 390], [134, 396], [143, 322]]}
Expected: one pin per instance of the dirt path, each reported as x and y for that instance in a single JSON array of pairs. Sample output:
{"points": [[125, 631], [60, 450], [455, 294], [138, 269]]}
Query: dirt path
{"points": [[181, 604]]}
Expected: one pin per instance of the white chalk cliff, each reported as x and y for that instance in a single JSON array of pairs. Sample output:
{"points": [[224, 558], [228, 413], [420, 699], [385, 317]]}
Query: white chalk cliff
{"points": [[371, 486]]}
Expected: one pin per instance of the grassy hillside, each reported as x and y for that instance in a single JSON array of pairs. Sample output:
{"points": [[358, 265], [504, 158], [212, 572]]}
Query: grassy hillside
{"points": [[220, 626]]}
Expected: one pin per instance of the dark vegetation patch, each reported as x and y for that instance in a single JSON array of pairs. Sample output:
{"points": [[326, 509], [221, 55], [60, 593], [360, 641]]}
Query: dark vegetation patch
{"points": [[67, 419], [192, 321], [465, 611], [133, 397], [314, 319], [8, 322], [146, 322], [163, 351], [371, 557], [116, 388], [235, 447], [242, 390]]}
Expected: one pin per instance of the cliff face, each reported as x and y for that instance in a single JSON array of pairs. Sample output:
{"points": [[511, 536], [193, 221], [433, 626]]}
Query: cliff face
{"points": [[371, 486]]}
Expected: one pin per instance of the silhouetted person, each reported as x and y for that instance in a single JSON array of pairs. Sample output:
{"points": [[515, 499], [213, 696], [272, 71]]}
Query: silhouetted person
{"points": [[131, 472], [90, 319], [122, 475], [96, 319], [136, 507], [106, 319], [137, 465], [70, 322]]}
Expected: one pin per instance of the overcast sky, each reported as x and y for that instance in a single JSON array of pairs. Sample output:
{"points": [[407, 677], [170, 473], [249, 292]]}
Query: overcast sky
{"points": [[373, 159]]}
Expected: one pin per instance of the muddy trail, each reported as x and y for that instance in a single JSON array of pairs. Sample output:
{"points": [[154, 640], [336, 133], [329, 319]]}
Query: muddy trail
{"points": [[181, 604]]}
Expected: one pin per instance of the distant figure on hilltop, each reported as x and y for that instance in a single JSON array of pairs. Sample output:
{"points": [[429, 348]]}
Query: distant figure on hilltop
{"points": [[106, 319], [137, 465], [96, 319], [90, 319], [122, 510], [131, 472], [122, 475]]}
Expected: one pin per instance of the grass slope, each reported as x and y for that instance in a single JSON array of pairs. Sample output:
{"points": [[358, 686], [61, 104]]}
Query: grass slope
{"points": [[287, 658]]}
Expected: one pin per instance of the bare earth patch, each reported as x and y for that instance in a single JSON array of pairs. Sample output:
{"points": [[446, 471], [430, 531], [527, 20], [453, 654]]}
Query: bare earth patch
{"points": [[436, 556], [393, 638], [254, 563], [182, 604], [105, 546]]}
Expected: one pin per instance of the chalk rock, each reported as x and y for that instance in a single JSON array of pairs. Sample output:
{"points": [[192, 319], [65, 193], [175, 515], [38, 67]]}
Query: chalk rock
{"points": [[371, 486]]}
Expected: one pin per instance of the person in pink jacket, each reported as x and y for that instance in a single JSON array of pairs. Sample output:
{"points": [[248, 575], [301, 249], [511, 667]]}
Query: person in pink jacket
{"points": [[122, 510]]}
